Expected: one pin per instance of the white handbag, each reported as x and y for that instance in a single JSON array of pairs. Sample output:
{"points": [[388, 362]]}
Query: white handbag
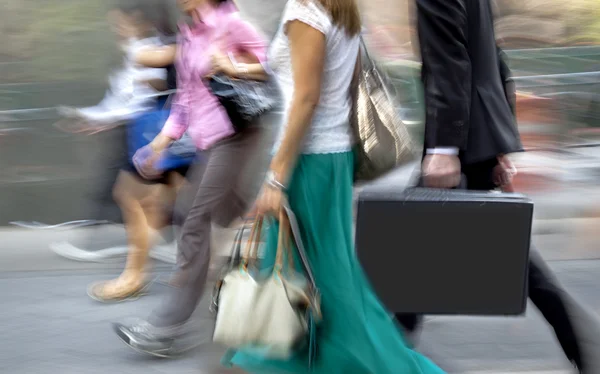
{"points": [[272, 313]]}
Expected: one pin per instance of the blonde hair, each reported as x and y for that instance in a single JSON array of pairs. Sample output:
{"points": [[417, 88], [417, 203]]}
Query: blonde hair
{"points": [[344, 14]]}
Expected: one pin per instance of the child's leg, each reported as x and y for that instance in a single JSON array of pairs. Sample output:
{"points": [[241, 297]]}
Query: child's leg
{"points": [[174, 180], [133, 197]]}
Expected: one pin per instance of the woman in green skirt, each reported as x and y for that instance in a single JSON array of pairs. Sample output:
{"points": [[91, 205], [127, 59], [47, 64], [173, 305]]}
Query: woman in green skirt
{"points": [[314, 57]]}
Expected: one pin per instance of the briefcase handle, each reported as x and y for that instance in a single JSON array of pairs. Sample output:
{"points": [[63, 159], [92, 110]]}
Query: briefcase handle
{"points": [[461, 186]]}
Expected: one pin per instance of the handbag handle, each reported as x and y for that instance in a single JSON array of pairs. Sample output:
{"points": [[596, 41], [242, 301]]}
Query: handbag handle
{"points": [[363, 62], [253, 242], [283, 227], [364, 53], [289, 219], [283, 244], [368, 66], [236, 247], [251, 250], [236, 250]]}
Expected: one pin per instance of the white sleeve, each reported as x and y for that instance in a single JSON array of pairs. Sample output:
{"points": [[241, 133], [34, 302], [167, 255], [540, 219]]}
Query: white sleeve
{"points": [[309, 12], [448, 151], [146, 74]]}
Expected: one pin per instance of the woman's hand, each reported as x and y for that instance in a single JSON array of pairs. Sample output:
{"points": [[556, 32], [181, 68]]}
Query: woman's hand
{"points": [[146, 157], [144, 160], [270, 201], [221, 63]]}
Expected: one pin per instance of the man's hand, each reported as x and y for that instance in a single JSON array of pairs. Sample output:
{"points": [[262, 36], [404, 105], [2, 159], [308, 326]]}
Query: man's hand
{"points": [[504, 172], [441, 171]]}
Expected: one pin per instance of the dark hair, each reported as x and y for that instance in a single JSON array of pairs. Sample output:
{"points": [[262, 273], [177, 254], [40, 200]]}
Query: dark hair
{"points": [[156, 12]]}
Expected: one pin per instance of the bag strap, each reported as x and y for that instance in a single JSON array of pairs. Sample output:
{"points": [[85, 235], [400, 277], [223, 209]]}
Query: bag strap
{"points": [[366, 60], [251, 247], [236, 248], [369, 67], [295, 230], [251, 251], [356, 74], [281, 243]]}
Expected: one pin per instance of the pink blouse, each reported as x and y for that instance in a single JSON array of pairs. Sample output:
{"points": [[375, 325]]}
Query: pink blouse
{"points": [[195, 108]]}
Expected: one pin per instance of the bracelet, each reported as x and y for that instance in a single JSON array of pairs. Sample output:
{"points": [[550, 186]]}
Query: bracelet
{"points": [[241, 69], [272, 181]]}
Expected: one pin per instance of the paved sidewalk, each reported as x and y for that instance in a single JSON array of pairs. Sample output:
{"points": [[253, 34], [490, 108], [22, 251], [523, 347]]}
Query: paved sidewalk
{"points": [[53, 327]]}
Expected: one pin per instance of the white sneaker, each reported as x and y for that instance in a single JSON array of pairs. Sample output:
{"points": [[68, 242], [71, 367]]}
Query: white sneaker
{"points": [[71, 252], [102, 245], [165, 252]]}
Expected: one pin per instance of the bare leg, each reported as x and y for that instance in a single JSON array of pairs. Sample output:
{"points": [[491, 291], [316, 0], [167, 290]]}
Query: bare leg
{"points": [[141, 208]]}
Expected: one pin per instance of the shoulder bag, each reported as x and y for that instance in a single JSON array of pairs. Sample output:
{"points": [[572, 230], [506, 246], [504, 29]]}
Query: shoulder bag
{"points": [[383, 140]]}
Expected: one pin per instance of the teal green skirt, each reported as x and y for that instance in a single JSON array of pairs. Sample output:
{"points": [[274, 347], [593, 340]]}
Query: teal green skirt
{"points": [[357, 334]]}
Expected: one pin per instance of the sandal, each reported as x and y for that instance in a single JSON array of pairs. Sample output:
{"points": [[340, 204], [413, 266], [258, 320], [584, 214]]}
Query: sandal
{"points": [[113, 292]]}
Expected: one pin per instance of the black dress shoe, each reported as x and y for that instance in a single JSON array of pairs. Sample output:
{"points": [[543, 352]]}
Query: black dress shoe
{"points": [[141, 338], [411, 325]]}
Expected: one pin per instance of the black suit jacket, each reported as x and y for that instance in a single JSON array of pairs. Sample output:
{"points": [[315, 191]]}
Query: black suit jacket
{"points": [[468, 92]]}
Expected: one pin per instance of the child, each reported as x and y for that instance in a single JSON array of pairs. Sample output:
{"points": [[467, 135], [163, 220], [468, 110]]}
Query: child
{"points": [[133, 88], [144, 204]]}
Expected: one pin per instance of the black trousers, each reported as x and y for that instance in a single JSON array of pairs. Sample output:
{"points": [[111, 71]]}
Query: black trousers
{"points": [[544, 290]]}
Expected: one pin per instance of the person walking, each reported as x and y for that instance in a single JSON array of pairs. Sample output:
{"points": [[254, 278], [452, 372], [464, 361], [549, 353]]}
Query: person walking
{"points": [[314, 57], [146, 34], [470, 128], [214, 192]]}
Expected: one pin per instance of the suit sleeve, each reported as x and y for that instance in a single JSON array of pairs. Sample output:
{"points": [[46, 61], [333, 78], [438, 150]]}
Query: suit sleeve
{"points": [[510, 90], [442, 26]]}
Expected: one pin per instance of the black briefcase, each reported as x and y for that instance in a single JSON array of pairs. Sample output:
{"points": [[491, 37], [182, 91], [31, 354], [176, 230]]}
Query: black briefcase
{"points": [[430, 251]]}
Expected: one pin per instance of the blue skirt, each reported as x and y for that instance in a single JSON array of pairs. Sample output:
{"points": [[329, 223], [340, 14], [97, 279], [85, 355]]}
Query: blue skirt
{"points": [[144, 128]]}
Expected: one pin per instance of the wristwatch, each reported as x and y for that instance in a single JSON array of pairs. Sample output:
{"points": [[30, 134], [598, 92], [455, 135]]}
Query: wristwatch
{"points": [[272, 181]]}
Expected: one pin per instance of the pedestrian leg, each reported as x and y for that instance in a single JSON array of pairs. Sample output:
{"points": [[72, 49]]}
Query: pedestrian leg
{"points": [[549, 297], [217, 183]]}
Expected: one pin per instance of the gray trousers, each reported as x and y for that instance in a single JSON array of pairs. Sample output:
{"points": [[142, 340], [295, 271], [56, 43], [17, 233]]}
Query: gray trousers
{"points": [[215, 194]]}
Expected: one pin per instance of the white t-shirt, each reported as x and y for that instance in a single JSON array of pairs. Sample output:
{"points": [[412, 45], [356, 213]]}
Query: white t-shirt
{"points": [[330, 130], [129, 84]]}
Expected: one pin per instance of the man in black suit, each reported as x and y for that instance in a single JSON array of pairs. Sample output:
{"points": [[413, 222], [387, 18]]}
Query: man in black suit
{"points": [[470, 127]]}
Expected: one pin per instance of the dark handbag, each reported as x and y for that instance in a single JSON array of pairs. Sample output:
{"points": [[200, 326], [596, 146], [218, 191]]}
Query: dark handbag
{"points": [[244, 100]]}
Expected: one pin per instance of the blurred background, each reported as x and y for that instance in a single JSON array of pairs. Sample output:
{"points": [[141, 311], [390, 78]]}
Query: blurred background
{"points": [[59, 52]]}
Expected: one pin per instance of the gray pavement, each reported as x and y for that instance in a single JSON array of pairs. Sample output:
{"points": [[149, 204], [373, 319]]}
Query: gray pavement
{"points": [[49, 325]]}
